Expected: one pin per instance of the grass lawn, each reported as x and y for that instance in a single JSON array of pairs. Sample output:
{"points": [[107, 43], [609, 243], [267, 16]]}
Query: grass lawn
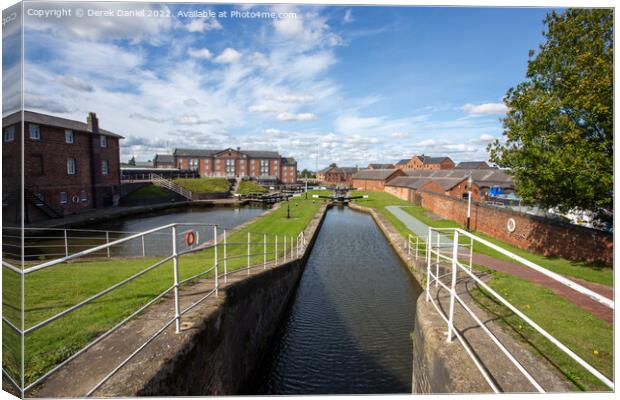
{"points": [[54, 289], [592, 272], [147, 191], [247, 187], [204, 185], [588, 336]]}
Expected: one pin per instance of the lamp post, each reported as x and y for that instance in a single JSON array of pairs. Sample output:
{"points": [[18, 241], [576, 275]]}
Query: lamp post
{"points": [[469, 184]]}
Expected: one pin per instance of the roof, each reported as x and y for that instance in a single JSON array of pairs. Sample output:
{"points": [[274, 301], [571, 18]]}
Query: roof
{"points": [[403, 161], [345, 170], [289, 160], [374, 174], [324, 170], [164, 158], [50, 120], [472, 165], [211, 152], [381, 166], [481, 177], [432, 160], [143, 164]]}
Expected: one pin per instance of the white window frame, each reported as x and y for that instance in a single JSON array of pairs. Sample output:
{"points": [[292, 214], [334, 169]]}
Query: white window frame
{"points": [[105, 167], [64, 197], [103, 141], [9, 134], [34, 132], [69, 138], [84, 196], [71, 166]]}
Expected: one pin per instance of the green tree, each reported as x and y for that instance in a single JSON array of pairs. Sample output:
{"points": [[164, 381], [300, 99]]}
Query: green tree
{"points": [[132, 161], [558, 130], [332, 165]]}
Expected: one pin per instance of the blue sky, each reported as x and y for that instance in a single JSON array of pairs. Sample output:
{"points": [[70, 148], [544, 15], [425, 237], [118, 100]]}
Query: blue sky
{"points": [[350, 84]]}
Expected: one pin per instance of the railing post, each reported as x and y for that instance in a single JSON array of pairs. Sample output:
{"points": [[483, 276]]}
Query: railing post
{"points": [[291, 247], [264, 251], [455, 254], [66, 244], [249, 251], [428, 266], [417, 239], [215, 261], [409, 244], [175, 265], [284, 248], [107, 241], [225, 259], [437, 259], [471, 252], [276, 252], [143, 247]]}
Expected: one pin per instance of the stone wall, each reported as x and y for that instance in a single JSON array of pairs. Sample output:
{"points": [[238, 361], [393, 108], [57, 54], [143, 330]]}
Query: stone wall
{"points": [[537, 234]]}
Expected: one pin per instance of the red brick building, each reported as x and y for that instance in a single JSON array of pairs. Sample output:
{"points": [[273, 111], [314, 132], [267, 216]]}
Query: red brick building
{"points": [[473, 165], [375, 179], [231, 163], [164, 161], [338, 176], [69, 166], [426, 162]]}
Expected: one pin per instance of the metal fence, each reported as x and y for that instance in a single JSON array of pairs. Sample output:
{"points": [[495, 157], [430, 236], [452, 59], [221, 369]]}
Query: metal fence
{"points": [[443, 248], [257, 250]]}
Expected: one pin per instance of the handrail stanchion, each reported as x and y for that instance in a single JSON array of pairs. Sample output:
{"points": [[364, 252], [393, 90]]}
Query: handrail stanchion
{"points": [[175, 266], [416, 246], [471, 252], [437, 259], [276, 252], [66, 245], [428, 266], [291, 247], [225, 259], [455, 254], [249, 251], [284, 248], [107, 241], [264, 251], [143, 247], [409, 244], [215, 261]]}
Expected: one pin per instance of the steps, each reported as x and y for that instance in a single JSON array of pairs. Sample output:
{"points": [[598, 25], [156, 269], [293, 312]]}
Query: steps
{"points": [[160, 181]]}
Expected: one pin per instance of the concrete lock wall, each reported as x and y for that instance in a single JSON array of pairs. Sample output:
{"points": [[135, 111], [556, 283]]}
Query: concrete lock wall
{"points": [[533, 233]]}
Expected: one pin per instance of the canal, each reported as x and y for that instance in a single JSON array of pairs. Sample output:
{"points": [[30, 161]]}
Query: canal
{"points": [[348, 328]]}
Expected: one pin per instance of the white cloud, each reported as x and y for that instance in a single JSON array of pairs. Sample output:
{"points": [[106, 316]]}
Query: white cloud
{"points": [[263, 108], [398, 135], [228, 56], [348, 17], [192, 119], [485, 108], [348, 123], [203, 25], [76, 83], [200, 53], [286, 116], [291, 98]]}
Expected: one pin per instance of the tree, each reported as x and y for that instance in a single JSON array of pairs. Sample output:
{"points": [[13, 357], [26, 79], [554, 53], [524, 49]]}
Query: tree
{"points": [[559, 125], [132, 161], [332, 165]]}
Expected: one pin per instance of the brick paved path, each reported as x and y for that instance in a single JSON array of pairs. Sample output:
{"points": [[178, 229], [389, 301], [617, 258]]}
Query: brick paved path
{"points": [[579, 299]]}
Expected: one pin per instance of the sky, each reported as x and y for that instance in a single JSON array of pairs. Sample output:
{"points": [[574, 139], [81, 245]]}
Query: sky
{"points": [[349, 85]]}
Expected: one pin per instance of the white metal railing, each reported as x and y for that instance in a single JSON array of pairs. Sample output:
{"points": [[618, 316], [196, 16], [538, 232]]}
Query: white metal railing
{"points": [[436, 240], [293, 248], [168, 184]]}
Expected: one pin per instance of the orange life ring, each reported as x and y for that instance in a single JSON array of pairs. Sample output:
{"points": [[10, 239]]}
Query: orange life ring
{"points": [[190, 238]]}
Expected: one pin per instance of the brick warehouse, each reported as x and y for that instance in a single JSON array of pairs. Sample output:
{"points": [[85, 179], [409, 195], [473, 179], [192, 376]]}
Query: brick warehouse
{"points": [[375, 179], [233, 163], [69, 166]]}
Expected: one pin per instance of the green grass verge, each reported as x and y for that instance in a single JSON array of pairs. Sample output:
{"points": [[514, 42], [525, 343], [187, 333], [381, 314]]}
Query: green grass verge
{"points": [[52, 290], [247, 187], [204, 185], [146, 192], [588, 271], [588, 336]]}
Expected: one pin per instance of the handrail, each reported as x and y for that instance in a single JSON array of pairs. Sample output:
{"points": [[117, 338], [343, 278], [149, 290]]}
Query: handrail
{"points": [[454, 297]]}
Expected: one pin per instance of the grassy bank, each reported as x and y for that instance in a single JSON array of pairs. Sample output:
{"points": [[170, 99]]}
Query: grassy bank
{"points": [[147, 192], [247, 187], [204, 185], [588, 336], [57, 288]]}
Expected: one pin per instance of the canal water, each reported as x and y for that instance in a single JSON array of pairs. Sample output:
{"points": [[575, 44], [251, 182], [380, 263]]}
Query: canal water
{"points": [[348, 329], [51, 244]]}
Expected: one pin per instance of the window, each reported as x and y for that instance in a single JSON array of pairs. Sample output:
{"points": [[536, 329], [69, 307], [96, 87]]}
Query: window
{"points": [[64, 197], [193, 164], [9, 134], [104, 167], [68, 136], [84, 196], [71, 169], [36, 165], [34, 132], [103, 141], [264, 167]]}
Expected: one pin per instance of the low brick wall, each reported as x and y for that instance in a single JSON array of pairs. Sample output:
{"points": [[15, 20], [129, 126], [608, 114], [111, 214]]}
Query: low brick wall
{"points": [[537, 234]]}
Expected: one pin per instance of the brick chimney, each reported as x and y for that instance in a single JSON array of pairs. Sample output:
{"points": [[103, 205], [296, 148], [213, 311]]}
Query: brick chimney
{"points": [[92, 122]]}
